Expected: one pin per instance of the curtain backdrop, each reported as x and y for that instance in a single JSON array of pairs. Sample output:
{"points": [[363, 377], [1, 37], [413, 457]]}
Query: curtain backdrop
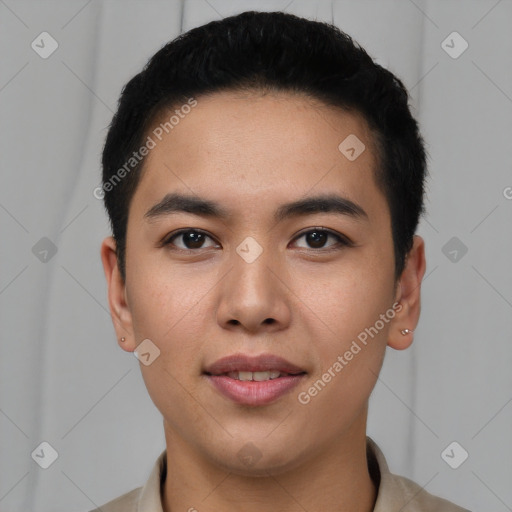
{"points": [[65, 381]]}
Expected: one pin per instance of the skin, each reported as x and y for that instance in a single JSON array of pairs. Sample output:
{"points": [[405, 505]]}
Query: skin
{"points": [[251, 153]]}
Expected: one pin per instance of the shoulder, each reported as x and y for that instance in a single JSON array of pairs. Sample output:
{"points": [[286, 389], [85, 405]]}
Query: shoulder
{"points": [[146, 498], [397, 492], [126, 503], [416, 499]]}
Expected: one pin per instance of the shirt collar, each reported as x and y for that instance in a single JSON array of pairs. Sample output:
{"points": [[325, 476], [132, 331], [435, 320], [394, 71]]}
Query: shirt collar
{"points": [[389, 491], [150, 499]]}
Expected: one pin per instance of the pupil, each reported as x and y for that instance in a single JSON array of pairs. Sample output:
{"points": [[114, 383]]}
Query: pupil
{"points": [[316, 238], [193, 239]]}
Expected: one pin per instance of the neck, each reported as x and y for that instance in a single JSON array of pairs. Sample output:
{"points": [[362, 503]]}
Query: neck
{"points": [[336, 479]]}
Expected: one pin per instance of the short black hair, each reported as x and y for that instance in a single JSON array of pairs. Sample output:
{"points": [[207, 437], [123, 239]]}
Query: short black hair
{"points": [[272, 51]]}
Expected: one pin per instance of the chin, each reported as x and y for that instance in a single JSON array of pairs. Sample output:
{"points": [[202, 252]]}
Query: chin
{"points": [[258, 460]]}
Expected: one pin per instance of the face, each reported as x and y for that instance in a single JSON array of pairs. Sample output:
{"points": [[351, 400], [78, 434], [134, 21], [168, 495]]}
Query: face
{"points": [[291, 257]]}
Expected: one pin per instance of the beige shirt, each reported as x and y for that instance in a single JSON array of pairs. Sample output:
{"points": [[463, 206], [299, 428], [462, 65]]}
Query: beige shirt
{"points": [[395, 493]]}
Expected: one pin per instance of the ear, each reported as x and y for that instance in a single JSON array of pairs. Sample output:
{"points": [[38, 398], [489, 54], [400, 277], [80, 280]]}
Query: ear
{"points": [[119, 308], [408, 295]]}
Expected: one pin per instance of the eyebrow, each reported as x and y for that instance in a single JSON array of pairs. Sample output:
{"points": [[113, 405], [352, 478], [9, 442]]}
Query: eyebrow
{"points": [[326, 203]]}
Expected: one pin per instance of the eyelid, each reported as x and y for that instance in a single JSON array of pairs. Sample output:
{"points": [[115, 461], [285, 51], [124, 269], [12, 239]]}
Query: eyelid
{"points": [[178, 232], [342, 239]]}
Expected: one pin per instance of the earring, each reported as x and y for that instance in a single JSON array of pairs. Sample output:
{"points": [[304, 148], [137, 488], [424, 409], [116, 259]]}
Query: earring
{"points": [[123, 339], [406, 331]]}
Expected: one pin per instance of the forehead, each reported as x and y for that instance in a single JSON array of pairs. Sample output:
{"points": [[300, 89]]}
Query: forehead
{"points": [[254, 150]]}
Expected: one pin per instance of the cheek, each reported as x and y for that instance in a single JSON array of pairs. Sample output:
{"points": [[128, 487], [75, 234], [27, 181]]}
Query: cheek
{"points": [[352, 310], [169, 312], [349, 365], [346, 298], [166, 300], [169, 309]]}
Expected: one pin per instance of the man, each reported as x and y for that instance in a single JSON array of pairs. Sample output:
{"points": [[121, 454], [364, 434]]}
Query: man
{"points": [[264, 179]]}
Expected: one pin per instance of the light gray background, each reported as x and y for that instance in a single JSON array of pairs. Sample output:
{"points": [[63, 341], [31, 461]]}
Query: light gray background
{"points": [[64, 380]]}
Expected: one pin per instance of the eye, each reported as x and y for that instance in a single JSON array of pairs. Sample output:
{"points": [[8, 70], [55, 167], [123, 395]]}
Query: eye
{"points": [[191, 239], [317, 238]]}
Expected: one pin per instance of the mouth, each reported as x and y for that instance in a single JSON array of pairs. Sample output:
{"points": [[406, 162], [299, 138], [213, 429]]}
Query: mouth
{"points": [[253, 381], [256, 376]]}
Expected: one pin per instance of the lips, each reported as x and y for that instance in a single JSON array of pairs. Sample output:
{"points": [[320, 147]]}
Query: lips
{"points": [[261, 363], [254, 381]]}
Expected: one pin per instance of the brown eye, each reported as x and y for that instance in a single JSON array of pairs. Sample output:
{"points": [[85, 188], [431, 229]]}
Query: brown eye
{"points": [[317, 239], [190, 239]]}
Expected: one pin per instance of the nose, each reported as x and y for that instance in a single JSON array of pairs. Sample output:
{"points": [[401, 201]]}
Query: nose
{"points": [[253, 297]]}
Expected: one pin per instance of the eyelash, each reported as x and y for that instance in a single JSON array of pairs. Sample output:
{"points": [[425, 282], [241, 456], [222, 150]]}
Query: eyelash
{"points": [[343, 241]]}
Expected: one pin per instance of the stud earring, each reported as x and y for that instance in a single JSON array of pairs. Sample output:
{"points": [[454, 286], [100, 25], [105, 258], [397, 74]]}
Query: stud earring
{"points": [[123, 339], [406, 331]]}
